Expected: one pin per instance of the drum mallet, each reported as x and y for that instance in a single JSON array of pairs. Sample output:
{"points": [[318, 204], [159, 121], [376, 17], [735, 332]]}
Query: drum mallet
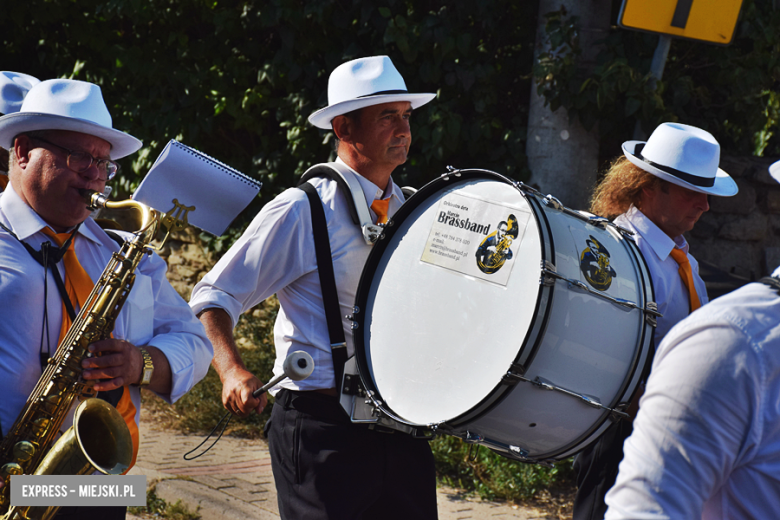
{"points": [[298, 366]]}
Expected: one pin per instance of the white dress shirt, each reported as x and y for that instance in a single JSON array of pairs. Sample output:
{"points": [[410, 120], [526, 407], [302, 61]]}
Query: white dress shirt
{"points": [[671, 294], [276, 255], [706, 442], [154, 313]]}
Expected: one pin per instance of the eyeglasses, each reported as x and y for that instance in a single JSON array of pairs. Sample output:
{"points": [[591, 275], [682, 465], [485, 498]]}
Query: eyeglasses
{"points": [[81, 161]]}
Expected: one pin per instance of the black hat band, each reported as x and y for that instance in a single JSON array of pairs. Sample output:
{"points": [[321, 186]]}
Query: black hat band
{"points": [[687, 177]]}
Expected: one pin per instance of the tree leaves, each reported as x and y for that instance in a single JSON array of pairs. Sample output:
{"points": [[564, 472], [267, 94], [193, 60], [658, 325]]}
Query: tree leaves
{"points": [[729, 91], [238, 78]]}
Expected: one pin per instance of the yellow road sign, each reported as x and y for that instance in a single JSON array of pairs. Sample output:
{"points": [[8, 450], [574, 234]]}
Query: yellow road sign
{"points": [[709, 20]]}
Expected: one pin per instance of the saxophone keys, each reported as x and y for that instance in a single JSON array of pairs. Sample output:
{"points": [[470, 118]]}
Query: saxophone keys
{"points": [[40, 425], [23, 451], [11, 468]]}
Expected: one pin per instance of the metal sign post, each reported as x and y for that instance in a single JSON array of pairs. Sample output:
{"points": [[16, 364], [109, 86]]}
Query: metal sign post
{"points": [[711, 21]]}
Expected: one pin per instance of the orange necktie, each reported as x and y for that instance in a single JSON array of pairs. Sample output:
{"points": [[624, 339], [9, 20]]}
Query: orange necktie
{"points": [[79, 285], [686, 273], [77, 281], [380, 208]]}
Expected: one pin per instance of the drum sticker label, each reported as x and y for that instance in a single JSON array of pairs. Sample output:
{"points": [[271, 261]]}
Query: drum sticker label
{"points": [[594, 264], [475, 237]]}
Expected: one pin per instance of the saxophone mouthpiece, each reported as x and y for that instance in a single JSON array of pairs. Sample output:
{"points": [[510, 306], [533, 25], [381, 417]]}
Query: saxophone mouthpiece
{"points": [[95, 200]]}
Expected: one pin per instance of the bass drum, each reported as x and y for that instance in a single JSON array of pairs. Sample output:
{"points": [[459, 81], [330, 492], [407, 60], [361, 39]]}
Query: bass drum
{"points": [[492, 313]]}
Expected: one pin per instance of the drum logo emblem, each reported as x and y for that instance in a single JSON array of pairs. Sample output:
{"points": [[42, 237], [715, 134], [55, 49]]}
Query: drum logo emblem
{"points": [[594, 264], [494, 250]]}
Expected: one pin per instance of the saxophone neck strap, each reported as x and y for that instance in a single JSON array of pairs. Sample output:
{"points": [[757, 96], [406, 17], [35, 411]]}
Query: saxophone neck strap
{"points": [[48, 257], [772, 282]]}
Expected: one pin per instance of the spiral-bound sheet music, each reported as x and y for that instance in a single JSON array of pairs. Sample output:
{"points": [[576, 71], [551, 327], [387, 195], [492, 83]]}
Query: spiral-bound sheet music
{"points": [[211, 192]]}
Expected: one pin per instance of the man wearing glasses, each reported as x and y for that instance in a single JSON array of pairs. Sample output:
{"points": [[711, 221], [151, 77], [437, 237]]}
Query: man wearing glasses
{"points": [[51, 252]]}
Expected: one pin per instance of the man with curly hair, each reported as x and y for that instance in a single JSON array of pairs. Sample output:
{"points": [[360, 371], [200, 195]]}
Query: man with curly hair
{"points": [[658, 190]]}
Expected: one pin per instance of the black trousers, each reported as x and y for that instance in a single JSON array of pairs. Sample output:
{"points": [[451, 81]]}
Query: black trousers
{"points": [[597, 468], [325, 467]]}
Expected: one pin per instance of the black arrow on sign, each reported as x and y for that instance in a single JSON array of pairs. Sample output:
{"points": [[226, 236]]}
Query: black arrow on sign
{"points": [[681, 12]]}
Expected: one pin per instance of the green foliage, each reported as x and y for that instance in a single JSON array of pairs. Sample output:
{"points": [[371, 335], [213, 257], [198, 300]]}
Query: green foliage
{"points": [[730, 91], [492, 476], [156, 507], [237, 79]]}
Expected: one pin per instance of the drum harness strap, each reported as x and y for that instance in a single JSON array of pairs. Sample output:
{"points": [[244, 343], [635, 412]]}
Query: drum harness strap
{"points": [[349, 185]]}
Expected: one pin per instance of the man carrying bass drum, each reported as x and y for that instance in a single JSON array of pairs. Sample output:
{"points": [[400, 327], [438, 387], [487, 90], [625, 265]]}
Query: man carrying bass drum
{"points": [[658, 190], [324, 466]]}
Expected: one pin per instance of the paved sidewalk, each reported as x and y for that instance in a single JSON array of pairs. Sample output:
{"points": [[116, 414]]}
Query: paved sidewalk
{"points": [[234, 481]]}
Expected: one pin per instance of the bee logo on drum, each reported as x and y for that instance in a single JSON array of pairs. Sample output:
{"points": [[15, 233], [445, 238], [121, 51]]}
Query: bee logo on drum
{"points": [[594, 264], [495, 250]]}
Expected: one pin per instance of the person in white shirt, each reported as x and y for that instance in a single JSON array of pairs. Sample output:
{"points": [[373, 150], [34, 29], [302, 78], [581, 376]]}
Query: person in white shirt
{"points": [[324, 466], [658, 190], [62, 141], [706, 441]]}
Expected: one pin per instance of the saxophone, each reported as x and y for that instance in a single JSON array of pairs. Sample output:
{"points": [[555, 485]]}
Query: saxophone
{"points": [[99, 438]]}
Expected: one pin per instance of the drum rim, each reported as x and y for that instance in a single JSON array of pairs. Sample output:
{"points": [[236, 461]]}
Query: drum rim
{"points": [[502, 387]]}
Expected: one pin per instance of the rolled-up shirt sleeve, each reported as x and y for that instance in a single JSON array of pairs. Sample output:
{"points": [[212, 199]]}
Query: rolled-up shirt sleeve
{"points": [[699, 420], [175, 331], [276, 249]]}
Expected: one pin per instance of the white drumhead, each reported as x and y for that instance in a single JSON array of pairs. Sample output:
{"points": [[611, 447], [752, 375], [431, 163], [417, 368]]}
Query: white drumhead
{"points": [[439, 332]]}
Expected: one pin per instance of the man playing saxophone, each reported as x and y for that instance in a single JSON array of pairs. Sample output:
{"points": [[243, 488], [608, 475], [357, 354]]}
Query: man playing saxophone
{"points": [[60, 142]]}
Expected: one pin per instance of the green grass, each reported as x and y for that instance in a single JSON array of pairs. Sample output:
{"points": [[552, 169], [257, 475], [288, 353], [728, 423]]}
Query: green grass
{"points": [[156, 507], [480, 471], [492, 476]]}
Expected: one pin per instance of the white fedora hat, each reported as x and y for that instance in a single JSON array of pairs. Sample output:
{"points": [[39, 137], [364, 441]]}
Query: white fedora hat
{"points": [[361, 83], [66, 104], [13, 87], [774, 170], [683, 155]]}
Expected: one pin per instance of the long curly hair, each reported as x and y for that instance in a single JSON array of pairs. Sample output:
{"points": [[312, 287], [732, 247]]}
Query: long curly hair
{"points": [[621, 187]]}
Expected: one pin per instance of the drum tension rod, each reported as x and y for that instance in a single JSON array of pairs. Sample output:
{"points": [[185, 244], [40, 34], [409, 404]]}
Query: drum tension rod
{"points": [[548, 272], [590, 401], [590, 218]]}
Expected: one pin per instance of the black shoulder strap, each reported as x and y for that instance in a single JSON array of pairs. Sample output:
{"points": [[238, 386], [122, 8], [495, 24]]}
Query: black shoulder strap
{"points": [[323, 170], [115, 237], [330, 297], [48, 257]]}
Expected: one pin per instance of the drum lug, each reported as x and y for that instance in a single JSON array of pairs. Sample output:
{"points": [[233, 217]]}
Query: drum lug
{"points": [[551, 201], [651, 313], [451, 170], [598, 221], [473, 438], [514, 375], [518, 451], [548, 274], [619, 412]]}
